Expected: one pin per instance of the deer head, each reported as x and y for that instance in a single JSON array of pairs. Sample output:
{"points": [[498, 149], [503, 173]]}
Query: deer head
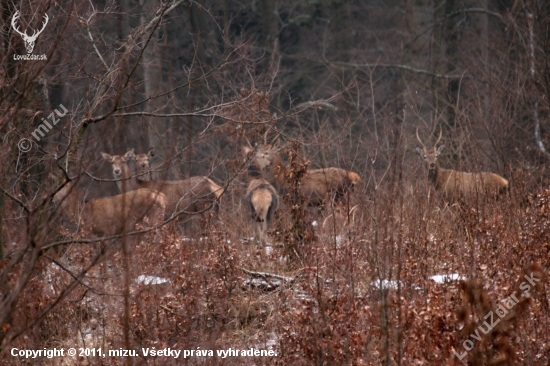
{"points": [[121, 171], [430, 155], [263, 159], [29, 40]]}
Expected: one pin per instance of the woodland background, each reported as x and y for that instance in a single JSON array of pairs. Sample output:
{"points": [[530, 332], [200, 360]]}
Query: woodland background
{"points": [[342, 83]]}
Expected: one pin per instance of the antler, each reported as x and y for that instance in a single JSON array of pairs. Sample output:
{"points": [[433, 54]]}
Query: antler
{"points": [[248, 142], [439, 138], [418, 137], [14, 26], [276, 138]]}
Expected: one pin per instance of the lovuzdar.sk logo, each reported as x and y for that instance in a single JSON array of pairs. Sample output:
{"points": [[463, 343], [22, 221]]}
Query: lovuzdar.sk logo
{"points": [[29, 40]]}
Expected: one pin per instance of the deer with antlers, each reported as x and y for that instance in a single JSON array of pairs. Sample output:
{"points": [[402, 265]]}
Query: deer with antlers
{"points": [[454, 184], [316, 185], [29, 40]]}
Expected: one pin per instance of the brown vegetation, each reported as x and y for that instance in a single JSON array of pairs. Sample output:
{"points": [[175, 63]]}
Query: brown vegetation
{"points": [[393, 276]]}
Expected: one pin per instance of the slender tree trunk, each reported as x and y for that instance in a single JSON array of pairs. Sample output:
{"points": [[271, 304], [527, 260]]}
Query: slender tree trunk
{"points": [[151, 82], [452, 37], [439, 95], [270, 29]]}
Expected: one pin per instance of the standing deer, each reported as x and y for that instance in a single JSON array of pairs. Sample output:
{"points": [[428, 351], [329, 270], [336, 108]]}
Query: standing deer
{"points": [[184, 197], [107, 216], [316, 184], [261, 199], [453, 184]]}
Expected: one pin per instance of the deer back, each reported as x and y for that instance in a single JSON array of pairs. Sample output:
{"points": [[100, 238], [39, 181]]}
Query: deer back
{"points": [[261, 199], [115, 214], [455, 184], [319, 183]]}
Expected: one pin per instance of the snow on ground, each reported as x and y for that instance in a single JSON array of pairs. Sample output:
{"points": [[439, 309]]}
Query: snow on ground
{"points": [[151, 280], [447, 278]]}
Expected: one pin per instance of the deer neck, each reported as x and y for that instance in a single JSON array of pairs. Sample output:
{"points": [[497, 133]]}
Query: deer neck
{"points": [[74, 208], [434, 174], [144, 176], [440, 176], [128, 182]]}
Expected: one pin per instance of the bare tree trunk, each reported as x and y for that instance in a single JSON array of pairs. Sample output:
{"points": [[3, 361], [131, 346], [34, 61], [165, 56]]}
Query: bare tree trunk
{"points": [[452, 36], [7, 13], [439, 95], [201, 29], [270, 29], [151, 80], [342, 29]]}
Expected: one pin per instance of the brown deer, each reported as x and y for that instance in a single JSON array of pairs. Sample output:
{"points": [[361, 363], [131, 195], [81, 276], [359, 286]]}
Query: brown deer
{"points": [[453, 184], [143, 165], [184, 197], [107, 216], [317, 184], [262, 201]]}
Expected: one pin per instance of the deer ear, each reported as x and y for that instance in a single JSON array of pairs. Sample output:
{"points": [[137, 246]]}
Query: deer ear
{"points": [[107, 157], [420, 151], [130, 155], [151, 152], [247, 150], [439, 150]]}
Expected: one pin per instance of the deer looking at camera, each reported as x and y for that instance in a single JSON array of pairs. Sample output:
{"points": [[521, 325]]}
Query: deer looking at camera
{"points": [[454, 184], [187, 197], [143, 165]]}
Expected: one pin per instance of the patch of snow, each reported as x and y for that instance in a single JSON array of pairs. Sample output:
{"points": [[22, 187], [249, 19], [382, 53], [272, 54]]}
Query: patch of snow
{"points": [[261, 284], [151, 280], [340, 239], [447, 278], [387, 284]]}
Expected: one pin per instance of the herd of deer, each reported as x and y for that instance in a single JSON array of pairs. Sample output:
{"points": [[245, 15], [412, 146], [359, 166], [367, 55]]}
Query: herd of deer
{"points": [[158, 201]]}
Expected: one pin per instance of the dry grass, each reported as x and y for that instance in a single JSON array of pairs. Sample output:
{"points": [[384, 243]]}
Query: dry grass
{"points": [[334, 312]]}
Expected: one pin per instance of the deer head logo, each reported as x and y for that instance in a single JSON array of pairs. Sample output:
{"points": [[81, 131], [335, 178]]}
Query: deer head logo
{"points": [[29, 40]]}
